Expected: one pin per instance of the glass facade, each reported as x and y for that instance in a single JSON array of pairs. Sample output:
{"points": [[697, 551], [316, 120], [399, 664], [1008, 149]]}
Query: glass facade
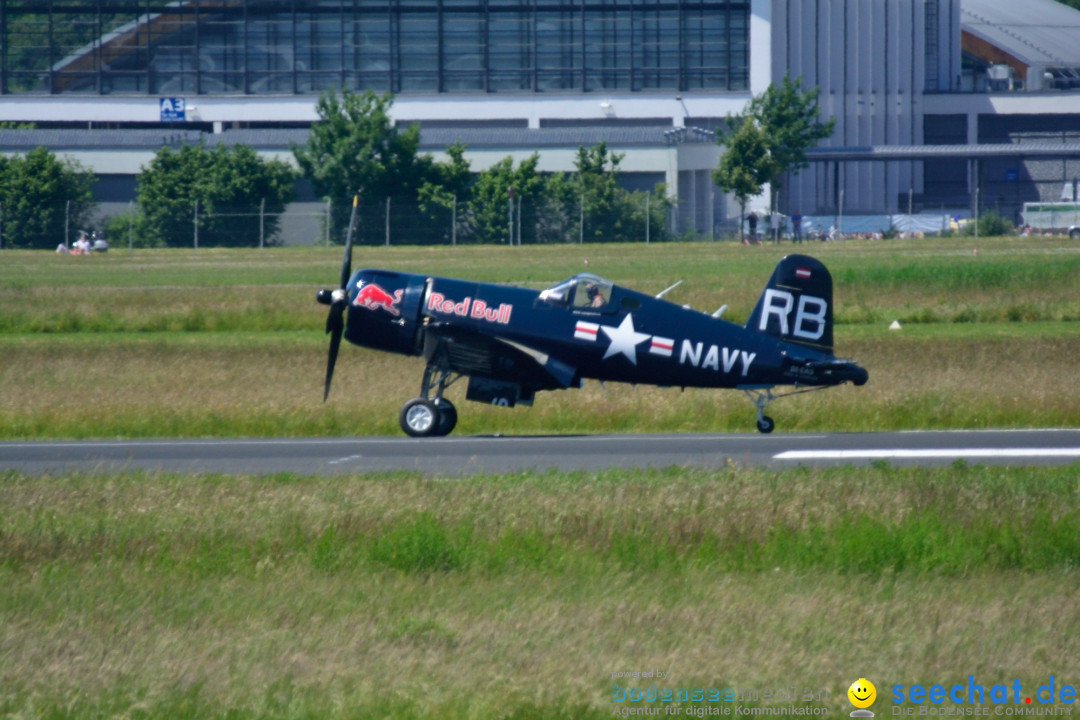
{"points": [[402, 46]]}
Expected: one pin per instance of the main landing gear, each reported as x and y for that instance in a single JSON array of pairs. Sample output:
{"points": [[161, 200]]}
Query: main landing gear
{"points": [[428, 416]]}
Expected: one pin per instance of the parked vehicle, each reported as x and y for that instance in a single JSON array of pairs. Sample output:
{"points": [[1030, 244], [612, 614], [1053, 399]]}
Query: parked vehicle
{"points": [[1058, 217]]}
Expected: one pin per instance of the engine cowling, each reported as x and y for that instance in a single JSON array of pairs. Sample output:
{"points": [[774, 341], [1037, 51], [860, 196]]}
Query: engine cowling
{"points": [[384, 311]]}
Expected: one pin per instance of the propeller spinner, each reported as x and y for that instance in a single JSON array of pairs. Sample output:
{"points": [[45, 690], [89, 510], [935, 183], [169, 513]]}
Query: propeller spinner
{"points": [[338, 300]]}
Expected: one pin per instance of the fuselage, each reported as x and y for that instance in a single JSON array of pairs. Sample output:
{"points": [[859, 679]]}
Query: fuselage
{"points": [[631, 337]]}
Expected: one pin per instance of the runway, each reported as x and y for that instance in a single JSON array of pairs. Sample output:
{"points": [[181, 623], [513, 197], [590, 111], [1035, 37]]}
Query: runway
{"points": [[457, 456]]}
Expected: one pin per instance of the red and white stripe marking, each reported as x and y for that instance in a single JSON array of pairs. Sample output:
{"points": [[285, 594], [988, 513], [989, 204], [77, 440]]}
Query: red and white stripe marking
{"points": [[586, 331], [662, 346]]}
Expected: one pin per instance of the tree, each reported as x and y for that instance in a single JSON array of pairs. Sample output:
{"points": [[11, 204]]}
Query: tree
{"points": [[597, 183], [747, 164], [769, 138], [558, 214], [354, 149], [166, 191], [42, 198], [490, 208], [239, 184], [231, 184], [445, 194], [590, 205], [787, 115]]}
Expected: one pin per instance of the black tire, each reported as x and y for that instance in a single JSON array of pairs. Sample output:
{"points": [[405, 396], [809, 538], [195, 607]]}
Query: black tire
{"points": [[766, 425], [1074, 233], [419, 418], [447, 417]]}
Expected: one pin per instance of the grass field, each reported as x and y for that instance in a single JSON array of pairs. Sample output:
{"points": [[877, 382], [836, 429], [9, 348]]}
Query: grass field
{"points": [[520, 596], [527, 596]]}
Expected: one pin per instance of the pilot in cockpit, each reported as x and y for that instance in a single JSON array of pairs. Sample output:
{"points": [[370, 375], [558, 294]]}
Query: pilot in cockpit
{"points": [[596, 298]]}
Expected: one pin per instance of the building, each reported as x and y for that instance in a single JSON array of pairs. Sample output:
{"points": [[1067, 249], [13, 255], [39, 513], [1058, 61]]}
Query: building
{"points": [[109, 82]]}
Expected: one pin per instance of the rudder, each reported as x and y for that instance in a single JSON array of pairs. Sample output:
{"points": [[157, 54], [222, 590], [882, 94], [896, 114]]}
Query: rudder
{"points": [[797, 304]]}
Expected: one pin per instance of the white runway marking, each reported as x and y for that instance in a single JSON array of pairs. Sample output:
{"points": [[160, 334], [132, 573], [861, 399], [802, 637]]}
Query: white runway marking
{"points": [[350, 458], [918, 454]]}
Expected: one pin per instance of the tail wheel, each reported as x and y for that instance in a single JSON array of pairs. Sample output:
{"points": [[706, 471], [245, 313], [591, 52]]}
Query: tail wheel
{"points": [[761, 397]]}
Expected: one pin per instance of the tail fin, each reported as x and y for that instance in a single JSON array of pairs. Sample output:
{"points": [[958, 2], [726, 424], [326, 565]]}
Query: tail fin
{"points": [[797, 304]]}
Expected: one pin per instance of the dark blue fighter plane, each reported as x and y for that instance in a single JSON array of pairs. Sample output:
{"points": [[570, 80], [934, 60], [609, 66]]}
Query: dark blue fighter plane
{"points": [[513, 342]]}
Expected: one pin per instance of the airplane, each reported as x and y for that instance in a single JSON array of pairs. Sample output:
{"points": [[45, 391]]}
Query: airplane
{"points": [[514, 342]]}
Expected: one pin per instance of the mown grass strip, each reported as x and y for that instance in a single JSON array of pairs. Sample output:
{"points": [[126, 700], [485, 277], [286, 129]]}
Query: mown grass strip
{"points": [[941, 281], [391, 595], [1025, 520]]}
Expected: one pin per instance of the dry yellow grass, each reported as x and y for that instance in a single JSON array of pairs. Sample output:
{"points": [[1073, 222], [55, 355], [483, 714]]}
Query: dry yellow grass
{"points": [[271, 384]]}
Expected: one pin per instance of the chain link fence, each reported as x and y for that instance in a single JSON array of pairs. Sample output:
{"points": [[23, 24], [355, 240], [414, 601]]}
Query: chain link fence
{"points": [[394, 223]]}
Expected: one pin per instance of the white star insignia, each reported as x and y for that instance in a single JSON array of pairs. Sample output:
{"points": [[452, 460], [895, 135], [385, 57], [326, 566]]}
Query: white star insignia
{"points": [[624, 339]]}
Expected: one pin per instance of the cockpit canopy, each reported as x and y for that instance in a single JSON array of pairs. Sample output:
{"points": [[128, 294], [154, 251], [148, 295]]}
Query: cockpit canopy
{"points": [[583, 290]]}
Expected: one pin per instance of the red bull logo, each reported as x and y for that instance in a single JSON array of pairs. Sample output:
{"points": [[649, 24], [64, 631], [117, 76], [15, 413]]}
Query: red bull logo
{"points": [[373, 297], [477, 309]]}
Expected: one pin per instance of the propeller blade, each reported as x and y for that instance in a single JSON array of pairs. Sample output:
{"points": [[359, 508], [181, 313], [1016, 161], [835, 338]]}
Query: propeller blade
{"points": [[339, 300], [346, 263], [335, 343]]}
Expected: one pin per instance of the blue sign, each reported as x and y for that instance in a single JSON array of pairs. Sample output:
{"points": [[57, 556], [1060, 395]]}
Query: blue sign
{"points": [[1011, 175], [172, 110]]}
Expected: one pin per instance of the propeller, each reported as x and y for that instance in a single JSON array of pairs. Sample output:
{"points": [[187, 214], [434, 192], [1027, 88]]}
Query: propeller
{"points": [[338, 300]]}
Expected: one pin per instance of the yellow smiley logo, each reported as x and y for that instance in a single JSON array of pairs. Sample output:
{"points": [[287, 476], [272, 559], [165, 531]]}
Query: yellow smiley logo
{"points": [[862, 693]]}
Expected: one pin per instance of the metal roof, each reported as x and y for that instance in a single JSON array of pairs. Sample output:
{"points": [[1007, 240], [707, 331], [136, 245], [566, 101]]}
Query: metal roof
{"points": [[281, 139], [925, 152], [1037, 32], [507, 138], [18, 140]]}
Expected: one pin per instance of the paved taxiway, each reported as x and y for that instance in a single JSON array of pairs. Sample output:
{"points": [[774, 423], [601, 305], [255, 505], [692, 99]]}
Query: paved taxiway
{"points": [[479, 455]]}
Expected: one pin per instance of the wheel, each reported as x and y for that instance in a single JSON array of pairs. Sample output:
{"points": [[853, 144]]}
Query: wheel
{"points": [[419, 418], [1074, 233], [447, 417], [766, 424]]}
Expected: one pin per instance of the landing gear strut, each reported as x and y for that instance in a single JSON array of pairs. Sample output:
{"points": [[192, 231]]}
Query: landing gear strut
{"points": [[761, 397], [428, 415]]}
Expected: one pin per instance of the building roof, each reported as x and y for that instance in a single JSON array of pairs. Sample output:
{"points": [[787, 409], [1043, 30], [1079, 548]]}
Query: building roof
{"points": [[924, 152], [19, 140], [508, 138], [1037, 32], [500, 137], [282, 139]]}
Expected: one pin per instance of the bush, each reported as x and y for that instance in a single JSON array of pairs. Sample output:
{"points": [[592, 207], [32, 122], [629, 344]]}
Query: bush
{"points": [[990, 224]]}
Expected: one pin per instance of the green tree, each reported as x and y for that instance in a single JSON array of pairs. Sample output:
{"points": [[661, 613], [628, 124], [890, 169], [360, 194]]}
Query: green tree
{"points": [[769, 138], [231, 185], [489, 204], [788, 117], [42, 197], [659, 206], [597, 182], [444, 196], [747, 164], [354, 149], [559, 212], [590, 205], [166, 191]]}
